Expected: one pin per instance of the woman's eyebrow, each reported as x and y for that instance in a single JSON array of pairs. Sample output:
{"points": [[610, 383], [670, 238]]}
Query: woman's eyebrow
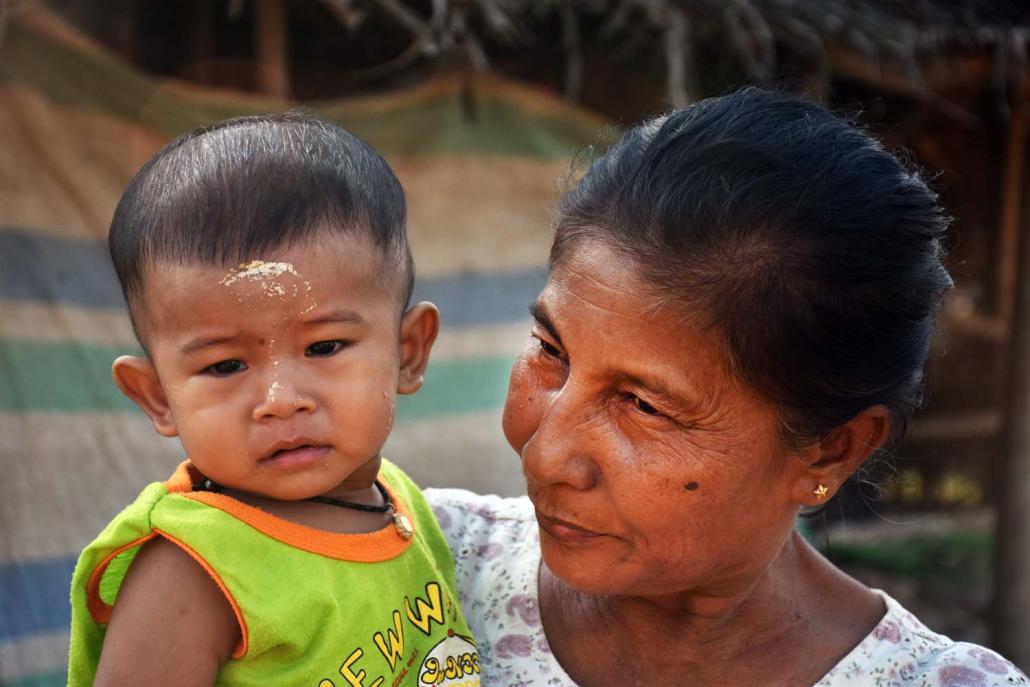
{"points": [[656, 387], [539, 313]]}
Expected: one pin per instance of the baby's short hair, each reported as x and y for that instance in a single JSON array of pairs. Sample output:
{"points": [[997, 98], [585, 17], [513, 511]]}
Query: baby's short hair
{"points": [[241, 188]]}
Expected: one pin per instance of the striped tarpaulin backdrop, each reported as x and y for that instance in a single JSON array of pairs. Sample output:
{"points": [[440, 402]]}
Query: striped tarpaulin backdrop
{"points": [[75, 123]]}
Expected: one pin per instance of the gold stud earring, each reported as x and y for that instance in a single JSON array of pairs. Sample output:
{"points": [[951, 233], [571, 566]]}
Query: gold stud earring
{"points": [[821, 491]]}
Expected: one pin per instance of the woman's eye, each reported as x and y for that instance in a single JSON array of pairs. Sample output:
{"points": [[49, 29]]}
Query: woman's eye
{"points": [[645, 407], [324, 349], [548, 349], [224, 368]]}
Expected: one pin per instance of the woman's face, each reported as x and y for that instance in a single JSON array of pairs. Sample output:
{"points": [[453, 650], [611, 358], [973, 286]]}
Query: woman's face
{"points": [[652, 469]]}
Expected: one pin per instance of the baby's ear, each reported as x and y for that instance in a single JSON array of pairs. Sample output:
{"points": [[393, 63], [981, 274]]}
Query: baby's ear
{"points": [[138, 380], [419, 327]]}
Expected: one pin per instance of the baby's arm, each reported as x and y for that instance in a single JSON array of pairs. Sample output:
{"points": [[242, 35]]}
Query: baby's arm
{"points": [[171, 624]]}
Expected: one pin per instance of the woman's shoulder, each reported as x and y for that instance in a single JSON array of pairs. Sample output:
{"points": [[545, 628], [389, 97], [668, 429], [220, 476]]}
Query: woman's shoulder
{"points": [[485, 507], [901, 652], [492, 539], [496, 550]]}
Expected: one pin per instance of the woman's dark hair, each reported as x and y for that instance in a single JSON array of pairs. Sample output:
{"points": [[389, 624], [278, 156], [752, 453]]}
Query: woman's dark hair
{"points": [[249, 185], [814, 251]]}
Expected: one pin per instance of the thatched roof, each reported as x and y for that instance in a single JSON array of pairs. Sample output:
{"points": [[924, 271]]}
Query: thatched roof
{"points": [[913, 46], [903, 27], [921, 48], [919, 40], [904, 45]]}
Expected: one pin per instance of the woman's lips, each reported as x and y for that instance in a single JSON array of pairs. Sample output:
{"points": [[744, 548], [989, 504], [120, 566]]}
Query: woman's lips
{"points": [[565, 531], [297, 457]]}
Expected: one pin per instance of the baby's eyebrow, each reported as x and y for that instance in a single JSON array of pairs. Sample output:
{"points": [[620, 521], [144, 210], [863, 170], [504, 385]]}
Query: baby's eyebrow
{"points": [[194, 345], [344, 316]]}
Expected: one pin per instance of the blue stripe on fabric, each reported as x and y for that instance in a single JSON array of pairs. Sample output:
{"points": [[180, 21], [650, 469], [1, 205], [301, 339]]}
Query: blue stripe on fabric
{"points": [[34, 597], [472, 299], [49, 269], [41, 268]]}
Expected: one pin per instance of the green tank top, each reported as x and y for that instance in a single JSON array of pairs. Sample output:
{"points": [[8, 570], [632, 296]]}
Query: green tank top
{"points": [[315, 608]]}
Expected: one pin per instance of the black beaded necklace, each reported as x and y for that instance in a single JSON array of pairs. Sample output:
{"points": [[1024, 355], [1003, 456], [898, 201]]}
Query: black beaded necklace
{"points": [[400, 521]]}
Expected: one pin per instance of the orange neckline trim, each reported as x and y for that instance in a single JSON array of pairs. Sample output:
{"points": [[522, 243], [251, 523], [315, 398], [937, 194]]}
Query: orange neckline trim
{"points": [[370, 547]]}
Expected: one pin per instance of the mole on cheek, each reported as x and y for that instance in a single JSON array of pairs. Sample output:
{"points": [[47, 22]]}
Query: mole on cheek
{"points": [[691, 486]]}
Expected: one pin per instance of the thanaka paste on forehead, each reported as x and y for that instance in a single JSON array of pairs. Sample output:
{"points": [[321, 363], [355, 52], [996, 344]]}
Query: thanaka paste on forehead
{"points": [[259, 270], [255, 270]]}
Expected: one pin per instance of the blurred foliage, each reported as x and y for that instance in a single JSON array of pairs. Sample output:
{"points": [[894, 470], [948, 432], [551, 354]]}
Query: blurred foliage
{"points": [[955, 558]]}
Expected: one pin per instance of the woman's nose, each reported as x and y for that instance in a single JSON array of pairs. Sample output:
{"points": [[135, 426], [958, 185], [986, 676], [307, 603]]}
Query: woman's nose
{"points": [[281, 396], [561, 449]]}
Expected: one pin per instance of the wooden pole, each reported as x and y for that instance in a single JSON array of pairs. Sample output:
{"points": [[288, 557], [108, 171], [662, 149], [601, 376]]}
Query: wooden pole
{"points": [[1011, 622], [681, 75], [273, 66], [1011, 211]]}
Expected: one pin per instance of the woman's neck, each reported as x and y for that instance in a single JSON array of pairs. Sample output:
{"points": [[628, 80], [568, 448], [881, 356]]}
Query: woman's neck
{"points": [[788, 626]]}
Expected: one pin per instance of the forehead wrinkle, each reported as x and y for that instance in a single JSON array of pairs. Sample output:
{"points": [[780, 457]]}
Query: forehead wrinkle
{"points": [[702, 399], [653, 311]]}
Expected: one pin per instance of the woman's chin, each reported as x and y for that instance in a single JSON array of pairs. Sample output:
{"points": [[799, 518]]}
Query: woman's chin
{"points": [[588, 569]]}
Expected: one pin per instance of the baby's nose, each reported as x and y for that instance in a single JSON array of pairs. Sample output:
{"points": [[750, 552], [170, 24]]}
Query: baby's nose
{"points": [[281, 398]]}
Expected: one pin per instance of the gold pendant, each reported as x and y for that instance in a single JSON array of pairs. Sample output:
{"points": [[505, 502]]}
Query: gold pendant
{"points": [[403, 525]]}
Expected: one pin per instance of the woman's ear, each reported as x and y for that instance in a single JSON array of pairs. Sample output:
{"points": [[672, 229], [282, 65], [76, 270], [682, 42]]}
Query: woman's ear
{"points": [[419, 327], [138, 380], [828, 463]]}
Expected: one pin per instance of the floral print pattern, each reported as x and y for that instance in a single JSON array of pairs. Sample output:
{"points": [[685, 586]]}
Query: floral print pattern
{"points": [[496, 549]]}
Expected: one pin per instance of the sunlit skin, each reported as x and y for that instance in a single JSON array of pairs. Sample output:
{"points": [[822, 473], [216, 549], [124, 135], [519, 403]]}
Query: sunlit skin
{"points": [[280, 378], [666, 496]]}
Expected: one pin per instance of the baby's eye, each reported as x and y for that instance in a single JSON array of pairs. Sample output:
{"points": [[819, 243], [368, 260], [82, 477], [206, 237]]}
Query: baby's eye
{"points": [[324, 349], [224, 368]]}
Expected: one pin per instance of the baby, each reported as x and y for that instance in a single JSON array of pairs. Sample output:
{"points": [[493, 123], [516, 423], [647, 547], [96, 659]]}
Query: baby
{"points": [[267, 272]]}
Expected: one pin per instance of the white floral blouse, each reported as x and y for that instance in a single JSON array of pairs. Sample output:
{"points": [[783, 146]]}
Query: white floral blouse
{"points": [[497, 557]]}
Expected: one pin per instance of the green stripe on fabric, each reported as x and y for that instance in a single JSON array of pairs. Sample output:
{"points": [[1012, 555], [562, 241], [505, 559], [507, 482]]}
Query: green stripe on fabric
{"points": [[59, 376], [92, 80], [58, 679], [63, 377], [458, 386], [433, 124]]}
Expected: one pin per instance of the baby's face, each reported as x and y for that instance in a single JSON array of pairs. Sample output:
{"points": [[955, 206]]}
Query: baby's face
{"points": [[281, 374]]}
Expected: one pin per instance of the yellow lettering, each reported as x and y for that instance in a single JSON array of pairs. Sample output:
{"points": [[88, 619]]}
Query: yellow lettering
{"points": [[468, 663], [431, 674], [453, 671], [427, 612], [396, 639], [356, 679]]}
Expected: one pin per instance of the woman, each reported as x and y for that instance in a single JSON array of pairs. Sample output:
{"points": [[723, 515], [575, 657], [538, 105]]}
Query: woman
{"points": [[740, 304]]}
